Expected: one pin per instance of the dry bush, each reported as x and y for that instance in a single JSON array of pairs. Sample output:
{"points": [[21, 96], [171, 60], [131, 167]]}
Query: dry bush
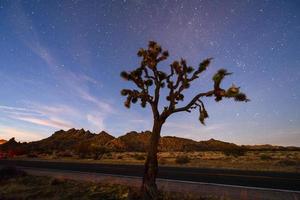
{"points": [[287, 162], [64, 154], [56, 181], [172, 154], [32, 155], [182, 159], [138, 156], [236, 152], [108, 155], [265, 157], [162, 161]]}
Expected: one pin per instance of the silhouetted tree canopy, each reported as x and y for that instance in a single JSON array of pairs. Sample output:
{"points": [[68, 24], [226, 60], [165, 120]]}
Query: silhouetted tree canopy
{"points": [[148, 77]]}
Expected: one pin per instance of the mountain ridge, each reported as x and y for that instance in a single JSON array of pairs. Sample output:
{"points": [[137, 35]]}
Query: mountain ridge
{"points": [[74, 139], [2, 141]]}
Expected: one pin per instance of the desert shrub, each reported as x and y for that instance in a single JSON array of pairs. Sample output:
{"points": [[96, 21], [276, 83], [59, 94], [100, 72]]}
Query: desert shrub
{"points": [[138, 156], [53, 156], [20, 151], [83, 149], [162, 161], [10, 172], [287, 162], [32, 155], [99, 151], [64, 154], [108, 155], [265, 157], [56, 181], [236, 152], [182, 160], [290, 155]]}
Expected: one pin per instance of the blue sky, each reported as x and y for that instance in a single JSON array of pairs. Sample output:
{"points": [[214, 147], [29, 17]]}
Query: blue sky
{"points": [[60, 63]]}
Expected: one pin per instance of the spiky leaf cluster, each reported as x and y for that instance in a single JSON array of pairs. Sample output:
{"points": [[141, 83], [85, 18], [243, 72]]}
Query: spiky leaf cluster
{"points": [[180, 77], [232, 92], [146, 75]]}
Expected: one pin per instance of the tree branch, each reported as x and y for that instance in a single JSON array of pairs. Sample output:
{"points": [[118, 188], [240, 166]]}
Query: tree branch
{"points": [[193, 101]]}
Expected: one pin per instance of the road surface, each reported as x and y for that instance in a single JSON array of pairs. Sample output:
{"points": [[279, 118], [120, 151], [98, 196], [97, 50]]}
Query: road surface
{"points": [[272, 180]]}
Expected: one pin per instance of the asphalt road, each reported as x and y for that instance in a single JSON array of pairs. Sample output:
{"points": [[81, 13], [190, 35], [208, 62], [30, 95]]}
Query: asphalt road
{"points": [[272, 180]]}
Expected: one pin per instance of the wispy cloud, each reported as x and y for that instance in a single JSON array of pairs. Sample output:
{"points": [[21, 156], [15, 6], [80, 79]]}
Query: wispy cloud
{"points": [[17, 111], [100, 104], [23, 135], [51, 122], [96, 120], [140, 121], [53, 110], [38, 109], [75, 84], [24, 28], [40, 115]]}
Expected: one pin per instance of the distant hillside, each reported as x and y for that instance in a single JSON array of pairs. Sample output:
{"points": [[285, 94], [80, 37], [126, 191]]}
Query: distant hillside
{"points": [[131, 141], [268, 147], [169, 143], [134, 141], [2, 141], [74, 140], [69, 140], [13, 145]]}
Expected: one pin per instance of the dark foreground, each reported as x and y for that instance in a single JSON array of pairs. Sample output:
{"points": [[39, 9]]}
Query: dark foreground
{"points": [[16, 184], [273, 180]]}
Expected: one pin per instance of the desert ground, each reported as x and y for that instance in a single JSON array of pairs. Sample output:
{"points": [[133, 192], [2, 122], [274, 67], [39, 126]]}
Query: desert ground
{"points": [[282, 161], [17, 184]]}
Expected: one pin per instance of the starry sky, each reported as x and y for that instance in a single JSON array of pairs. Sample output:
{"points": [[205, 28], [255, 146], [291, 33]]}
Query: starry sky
{"points": [[60, 63]]}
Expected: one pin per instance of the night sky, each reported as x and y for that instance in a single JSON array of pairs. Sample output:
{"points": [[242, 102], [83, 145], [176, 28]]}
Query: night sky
{"points": [[60, 64]]}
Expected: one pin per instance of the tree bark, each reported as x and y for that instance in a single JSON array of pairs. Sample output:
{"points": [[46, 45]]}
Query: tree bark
{"points": [[149, 187]]}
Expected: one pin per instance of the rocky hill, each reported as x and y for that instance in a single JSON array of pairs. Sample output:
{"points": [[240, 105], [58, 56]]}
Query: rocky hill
{"points": [[169, 143], [69, 140], [2, 141], [80, 140], [132, 141], [13, 145]]}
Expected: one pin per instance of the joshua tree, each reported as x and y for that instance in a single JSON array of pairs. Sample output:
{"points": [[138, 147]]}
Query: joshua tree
{"points": [[149, 81]]}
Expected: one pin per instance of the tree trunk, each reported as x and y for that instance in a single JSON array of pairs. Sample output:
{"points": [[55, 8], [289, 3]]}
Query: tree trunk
{"points": [[149, 188]]}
